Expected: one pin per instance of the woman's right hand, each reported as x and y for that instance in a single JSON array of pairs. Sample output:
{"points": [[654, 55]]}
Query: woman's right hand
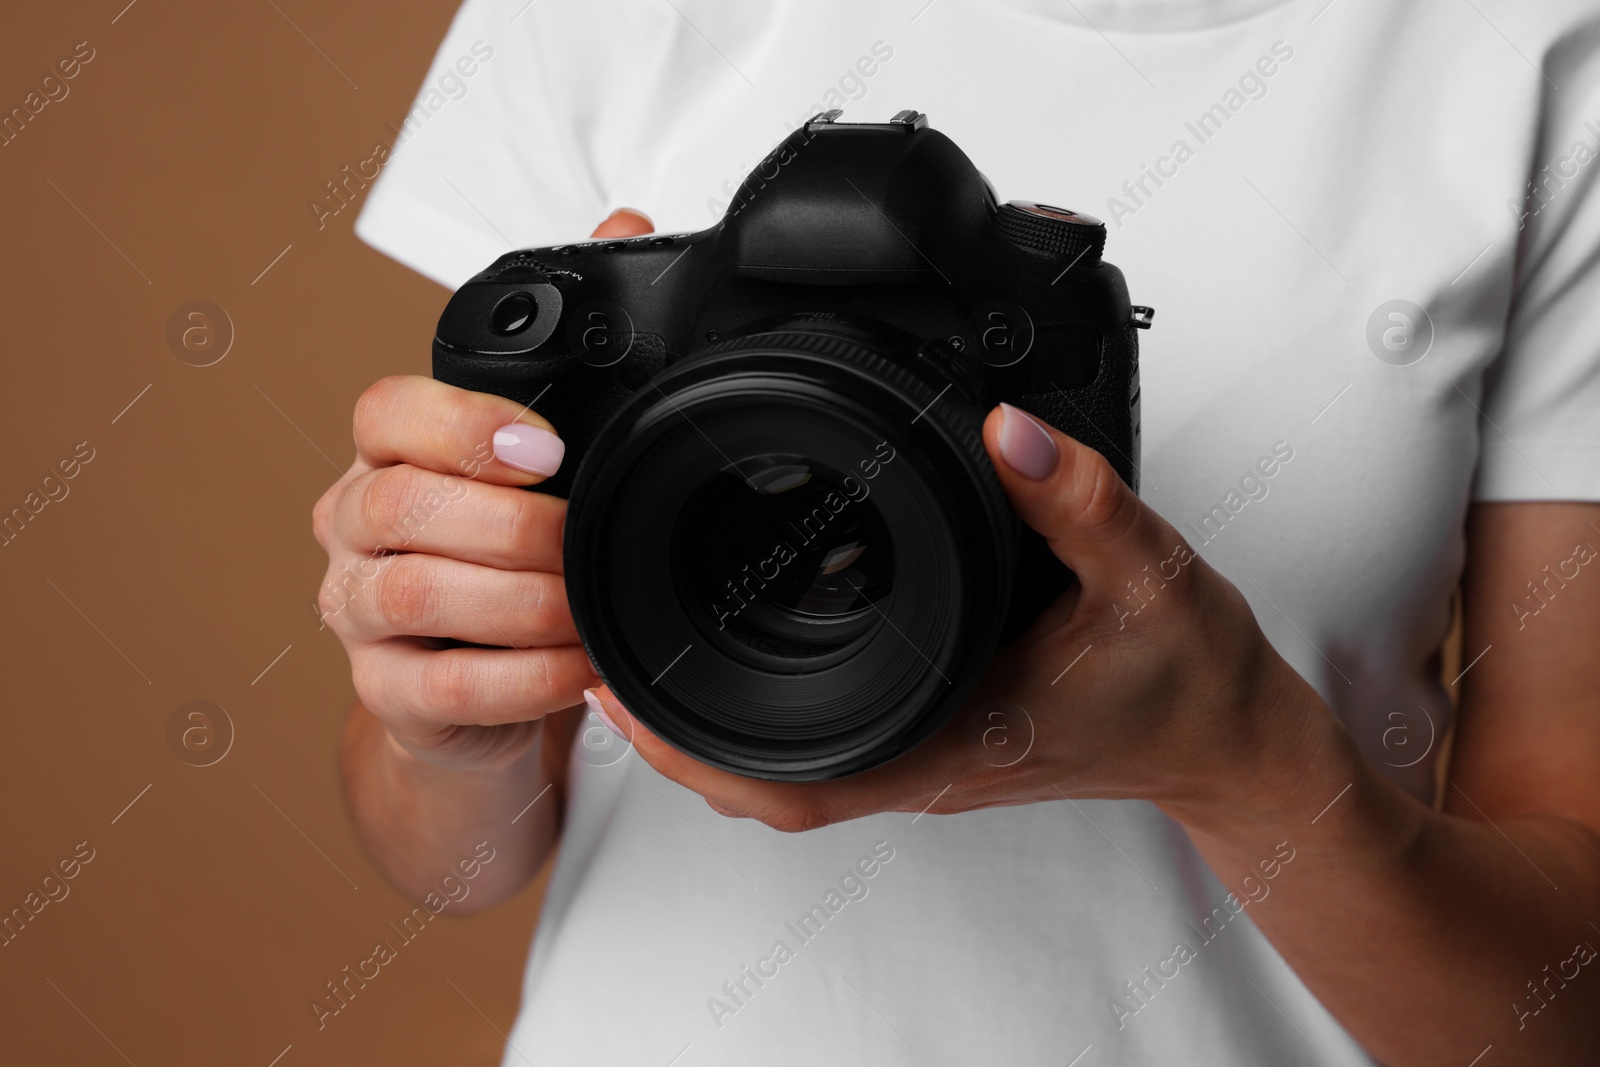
{"points": [[431, 535]]}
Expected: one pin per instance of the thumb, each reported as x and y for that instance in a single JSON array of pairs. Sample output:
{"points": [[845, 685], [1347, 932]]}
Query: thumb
{"points": [[1067, 491], [625, 222]]}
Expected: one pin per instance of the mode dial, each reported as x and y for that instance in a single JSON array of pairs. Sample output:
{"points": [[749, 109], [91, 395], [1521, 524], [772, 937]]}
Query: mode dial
{"points": [[1053, 230]]}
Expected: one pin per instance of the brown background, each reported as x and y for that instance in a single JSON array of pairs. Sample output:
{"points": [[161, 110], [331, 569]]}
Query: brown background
{"points": [[182, 558]]}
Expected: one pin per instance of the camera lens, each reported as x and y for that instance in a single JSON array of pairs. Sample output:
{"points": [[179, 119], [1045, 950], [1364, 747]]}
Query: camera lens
{"points": [[790, 556], [786, 559]]}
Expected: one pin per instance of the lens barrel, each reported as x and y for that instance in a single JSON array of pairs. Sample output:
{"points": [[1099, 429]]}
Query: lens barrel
{"points": [[789, 555]]}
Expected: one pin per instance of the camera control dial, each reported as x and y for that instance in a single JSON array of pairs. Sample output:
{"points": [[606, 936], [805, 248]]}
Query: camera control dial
{"points": [[1053, 230]]}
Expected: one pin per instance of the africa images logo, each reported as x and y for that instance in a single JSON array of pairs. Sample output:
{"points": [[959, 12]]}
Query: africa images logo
{"points": [[810, 528]]}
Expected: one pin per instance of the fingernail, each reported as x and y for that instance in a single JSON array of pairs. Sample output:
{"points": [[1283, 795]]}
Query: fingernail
{"points": [[591, 698], [1026, 446], [528, 448]]}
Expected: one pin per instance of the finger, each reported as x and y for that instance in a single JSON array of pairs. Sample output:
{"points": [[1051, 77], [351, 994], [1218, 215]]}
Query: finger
{"points": [[625, 222], [409, 680], [1067, 491], [899, 785], [417, 595], [410, 419], [402, 508], [323, 525], [781, 805]]}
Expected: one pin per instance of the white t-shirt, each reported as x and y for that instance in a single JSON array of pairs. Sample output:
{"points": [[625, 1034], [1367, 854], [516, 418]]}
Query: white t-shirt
{"points": [[1274, 175]]}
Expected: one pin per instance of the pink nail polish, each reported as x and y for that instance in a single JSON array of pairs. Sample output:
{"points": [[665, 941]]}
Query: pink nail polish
{"points": [[529, 448], [1026, 446], [591, 698]]}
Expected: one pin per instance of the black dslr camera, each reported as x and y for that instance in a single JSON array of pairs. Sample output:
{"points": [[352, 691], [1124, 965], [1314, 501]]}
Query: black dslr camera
{"points": [[786, 550]]}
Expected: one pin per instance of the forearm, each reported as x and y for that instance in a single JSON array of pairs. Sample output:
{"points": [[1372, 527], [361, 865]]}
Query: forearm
{"points": [[418, 821], [1419, 931]]}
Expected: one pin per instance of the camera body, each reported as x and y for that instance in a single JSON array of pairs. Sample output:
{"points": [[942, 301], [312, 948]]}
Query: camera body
{"points": [[868, 299]]}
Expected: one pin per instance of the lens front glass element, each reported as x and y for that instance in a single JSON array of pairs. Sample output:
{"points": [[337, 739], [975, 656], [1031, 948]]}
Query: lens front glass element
{"points": [[784, 554]]}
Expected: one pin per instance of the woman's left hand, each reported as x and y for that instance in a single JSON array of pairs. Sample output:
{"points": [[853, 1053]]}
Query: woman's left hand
{"points": [[1149, 678]]}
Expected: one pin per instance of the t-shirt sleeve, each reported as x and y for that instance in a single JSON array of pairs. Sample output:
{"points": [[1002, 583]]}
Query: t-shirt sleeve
{"points": [[1540, 430], [498, 150]]}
